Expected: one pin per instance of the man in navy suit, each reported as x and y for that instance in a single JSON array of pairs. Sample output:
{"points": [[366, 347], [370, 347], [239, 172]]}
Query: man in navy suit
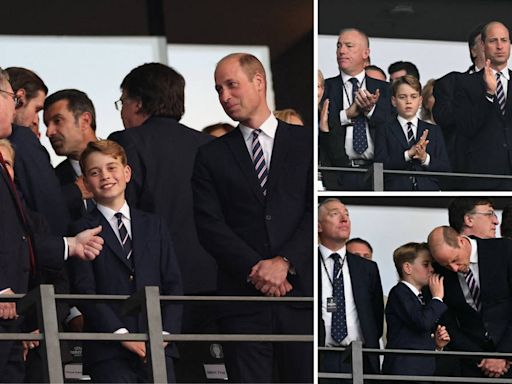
{"points": [[408, 143], [363, 300], [253, 195], [478, 318], [70, 121], [357, 104], [138, 253], [35, 176], [483, 112]]}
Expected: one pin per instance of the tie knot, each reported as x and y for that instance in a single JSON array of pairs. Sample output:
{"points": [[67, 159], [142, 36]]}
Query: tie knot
{"points": [[498, 75], [256, 133], [409, 124], [119, 216], [354, 82], [336, 257]]}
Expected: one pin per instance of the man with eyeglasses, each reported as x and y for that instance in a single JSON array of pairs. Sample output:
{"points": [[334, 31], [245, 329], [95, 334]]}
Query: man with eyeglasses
{"points": [[473, 216]]}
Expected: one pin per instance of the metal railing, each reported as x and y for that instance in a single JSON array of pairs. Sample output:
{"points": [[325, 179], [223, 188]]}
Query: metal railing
{"points": [[43, 300], [355, 352], [375, 173]]}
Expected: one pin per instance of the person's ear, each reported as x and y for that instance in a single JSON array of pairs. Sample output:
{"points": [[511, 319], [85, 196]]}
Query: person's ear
{"points": [[22, 97]]}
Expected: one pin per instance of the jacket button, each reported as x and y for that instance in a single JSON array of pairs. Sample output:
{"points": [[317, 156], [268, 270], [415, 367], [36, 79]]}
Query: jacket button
{"points": [[268, 217]]}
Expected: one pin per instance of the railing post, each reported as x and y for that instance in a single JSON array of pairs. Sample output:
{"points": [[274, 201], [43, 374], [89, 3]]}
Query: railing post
{"points": [[376, 172], [357, 362], [47, 312], [153, 314]]}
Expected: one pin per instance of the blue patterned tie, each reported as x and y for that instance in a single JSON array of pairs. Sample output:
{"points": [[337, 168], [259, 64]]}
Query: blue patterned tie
{"points": [[339, 318], [126, 241], [359, 140], [259, 160], [410, 134], [500, 94]]}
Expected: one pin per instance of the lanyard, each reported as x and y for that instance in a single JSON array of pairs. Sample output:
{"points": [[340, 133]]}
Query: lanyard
{"points": [[326, 271]]}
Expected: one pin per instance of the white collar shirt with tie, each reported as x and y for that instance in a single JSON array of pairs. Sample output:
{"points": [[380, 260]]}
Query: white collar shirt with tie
{"points": [[266, 138], [353, 324], [347, 101], [109, 214]]}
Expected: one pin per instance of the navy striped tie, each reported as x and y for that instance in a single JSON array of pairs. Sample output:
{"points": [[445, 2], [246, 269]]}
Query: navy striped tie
{"points": [[126, 241], [410, 134], [500, 93], [474, 289], [259, 160]]}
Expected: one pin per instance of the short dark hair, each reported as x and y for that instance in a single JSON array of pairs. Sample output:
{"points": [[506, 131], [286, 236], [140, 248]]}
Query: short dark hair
{"points": [[361, 241], [506, 222], [472, 38], [26, 79], [408, 80], [78, 103], [372, 67], [461, 206], [407, 66], [407, 253], [160, 89]]}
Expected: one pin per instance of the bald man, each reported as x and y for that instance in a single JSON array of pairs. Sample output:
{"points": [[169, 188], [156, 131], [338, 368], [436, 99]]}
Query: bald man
{"points": [[478, 291]]}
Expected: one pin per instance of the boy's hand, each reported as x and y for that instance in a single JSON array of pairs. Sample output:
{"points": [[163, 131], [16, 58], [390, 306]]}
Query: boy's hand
{"points": [[8, 309], [442, 337], [494, 367], [419, 150], [435, 283], [137, 347]]}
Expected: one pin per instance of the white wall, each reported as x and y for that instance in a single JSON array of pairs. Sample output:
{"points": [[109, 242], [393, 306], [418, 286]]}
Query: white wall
{"points": [[433, 58]]}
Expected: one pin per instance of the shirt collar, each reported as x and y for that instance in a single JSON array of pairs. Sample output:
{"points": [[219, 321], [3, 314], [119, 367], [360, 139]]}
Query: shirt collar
{"points": [[473, 257], [411, 287], [504, 73], [109, 213], [326, 252], [403, 121], [268, 127], [360, 77]]}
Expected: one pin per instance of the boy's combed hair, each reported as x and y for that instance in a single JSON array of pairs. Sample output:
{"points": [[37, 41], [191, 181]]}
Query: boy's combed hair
{"points": [[407, 253], [408, 80], [106, 147]]}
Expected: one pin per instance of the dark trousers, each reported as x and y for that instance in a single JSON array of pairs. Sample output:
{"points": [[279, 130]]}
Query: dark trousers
{"points": [[265, 362]]}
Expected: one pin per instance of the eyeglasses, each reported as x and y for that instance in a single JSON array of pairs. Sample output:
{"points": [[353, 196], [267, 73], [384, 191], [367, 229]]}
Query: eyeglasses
{"points": [[488, 214], [119, 103], [13, 96]]}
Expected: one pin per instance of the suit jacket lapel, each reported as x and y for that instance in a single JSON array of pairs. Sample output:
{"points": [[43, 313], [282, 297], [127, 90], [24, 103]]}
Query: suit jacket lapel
{"points": [[141, 235], [279, 153], [236, 143], [398, 133]]}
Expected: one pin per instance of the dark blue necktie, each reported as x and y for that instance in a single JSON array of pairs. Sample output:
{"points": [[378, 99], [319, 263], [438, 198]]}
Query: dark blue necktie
{"points": [[339, 318], [259, 160], [474, 289], [359, 140], [126, 241]]}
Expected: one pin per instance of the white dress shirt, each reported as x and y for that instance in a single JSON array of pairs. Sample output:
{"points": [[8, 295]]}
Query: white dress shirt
{"points": [[109, 214], [354, 331], [266, 138], [347, 101]]}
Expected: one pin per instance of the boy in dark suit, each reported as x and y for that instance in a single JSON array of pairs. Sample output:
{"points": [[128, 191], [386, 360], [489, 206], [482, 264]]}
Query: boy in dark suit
{"points": [[412, 317], [137, 253], [402, 143]]}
